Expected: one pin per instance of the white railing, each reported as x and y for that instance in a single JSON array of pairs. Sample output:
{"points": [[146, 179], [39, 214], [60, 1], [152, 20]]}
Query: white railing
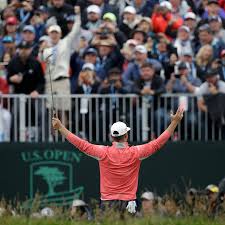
{"points": [[23, 119]]}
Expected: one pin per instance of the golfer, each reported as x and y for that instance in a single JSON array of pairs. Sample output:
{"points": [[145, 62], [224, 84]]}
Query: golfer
{"points": [[120, 163]]}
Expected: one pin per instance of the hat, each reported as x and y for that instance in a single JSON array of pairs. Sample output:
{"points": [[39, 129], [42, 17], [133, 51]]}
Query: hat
{"points": [[47, 212], [29, 28], [45, 38], [204, 27], [146, 19], [190, 15], [78, 202], [90, 51], [42, 8], [129, 9], [185, 28], [25, 44], [214, 18], [148, 196], [192, 191], [187, 52], [12, 20], [141, 48], [94, 9], [7, 39], [167, 5], [212, 188], [55, 28], [110, 16], [70, 18], [213, 2], [222, 53], [182, 66], [114, 71], [119, 129], [88, 66], [107, 42], [211, 72]]}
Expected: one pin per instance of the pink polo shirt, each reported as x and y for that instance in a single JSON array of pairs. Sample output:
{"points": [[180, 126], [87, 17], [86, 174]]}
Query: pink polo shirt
{"points": [[119, 164]]}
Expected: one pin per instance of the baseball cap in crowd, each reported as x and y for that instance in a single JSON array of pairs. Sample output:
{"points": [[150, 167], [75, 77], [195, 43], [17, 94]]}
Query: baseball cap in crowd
{"points": [[109, 16], [185, 28], [141, 48], [55, 28], [190, 15], [45, 38], [167, 5], [7, 39], [12, 20], [70, 18], [25, 44], [211, 72], [29, 28], [78, 202], [92, 51], [119, 129], [129, 9], [214, 18], [88, 66], [41, 9], [212, 188], [148, 196], [213, 2], [204, 27], [182, 66], [47, 212], [94, 9], [146, 19]]}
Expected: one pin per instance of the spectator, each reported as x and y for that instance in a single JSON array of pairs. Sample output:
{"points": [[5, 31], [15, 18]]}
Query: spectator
{"points": [[190, 20], [5, 115], [80, 210], [205, 36], [58, 57], [148, 204], [132, 74], [144, 7], [9, 47], [213, 9], [130, 21], [216, 26], [26, 76], [11, 29], [109, 53], [204, 59], [145, 25], [140, 36], [222, 67], [183, 41], [29, 35], [93, 17], [180, 7], [211, 193], [61, 10], [164, 21]]}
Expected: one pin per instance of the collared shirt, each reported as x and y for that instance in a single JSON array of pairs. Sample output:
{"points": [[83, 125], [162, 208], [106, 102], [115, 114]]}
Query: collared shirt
{"points": [[119, 164]]}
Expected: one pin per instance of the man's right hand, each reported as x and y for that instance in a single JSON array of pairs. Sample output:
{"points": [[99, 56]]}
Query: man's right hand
{"points": [[77, 10], [16, 79]]}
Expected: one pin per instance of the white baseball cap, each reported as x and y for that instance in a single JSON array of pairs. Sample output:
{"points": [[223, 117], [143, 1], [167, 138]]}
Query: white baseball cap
{"points": [[119, 129], [129, 9], [167, 5], [141, 48], [78, 202], [47, 212], [185, 28], [88, 66], [55, 28], [148, 195], [94, 9], [190, 15]]}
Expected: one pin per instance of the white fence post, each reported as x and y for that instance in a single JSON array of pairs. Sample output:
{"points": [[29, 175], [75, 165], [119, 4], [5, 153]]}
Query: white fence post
{"points": [[144, 118], [22, 112]]}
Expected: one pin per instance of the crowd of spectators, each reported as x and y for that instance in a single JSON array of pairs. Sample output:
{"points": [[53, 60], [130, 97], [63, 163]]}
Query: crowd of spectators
{"points": [[144, 47]]}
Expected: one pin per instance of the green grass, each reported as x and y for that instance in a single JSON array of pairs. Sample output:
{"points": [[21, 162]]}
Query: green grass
{"points": [[128, 221]]}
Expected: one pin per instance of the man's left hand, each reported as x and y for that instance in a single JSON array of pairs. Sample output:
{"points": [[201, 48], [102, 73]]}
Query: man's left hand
{"points": [[34, 94]]}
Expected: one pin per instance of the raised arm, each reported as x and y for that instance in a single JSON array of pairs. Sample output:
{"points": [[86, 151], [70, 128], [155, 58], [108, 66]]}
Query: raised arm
{"points": [[95, 151], [150, 148]]}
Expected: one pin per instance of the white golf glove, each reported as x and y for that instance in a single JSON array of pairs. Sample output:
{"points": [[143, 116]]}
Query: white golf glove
{"points": [[131, 207]]}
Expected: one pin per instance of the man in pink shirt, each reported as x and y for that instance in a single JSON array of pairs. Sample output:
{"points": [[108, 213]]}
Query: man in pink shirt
{"points": [[120, 163]]}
